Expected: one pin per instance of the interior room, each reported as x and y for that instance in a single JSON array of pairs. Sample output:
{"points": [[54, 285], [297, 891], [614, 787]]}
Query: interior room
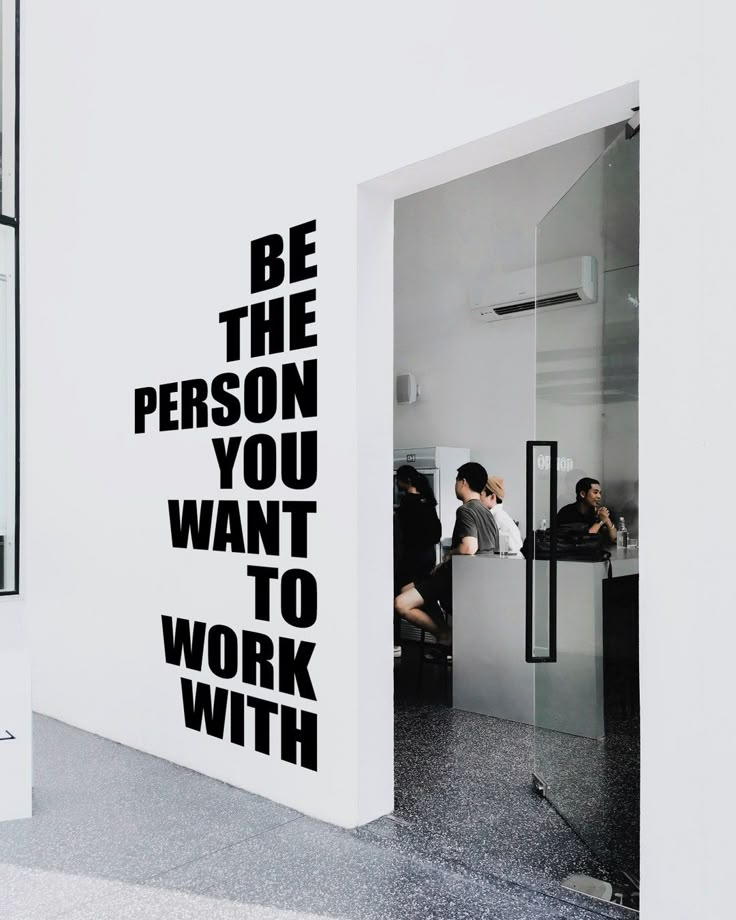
{"points": [[516, 347]]}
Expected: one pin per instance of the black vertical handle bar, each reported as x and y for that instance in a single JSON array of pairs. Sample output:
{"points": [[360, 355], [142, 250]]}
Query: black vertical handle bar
{"points": [[530, 451]]}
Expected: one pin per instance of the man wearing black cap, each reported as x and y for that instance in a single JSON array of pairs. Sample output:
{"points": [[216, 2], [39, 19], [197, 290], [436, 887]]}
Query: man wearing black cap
{"points": [[475, 533]]}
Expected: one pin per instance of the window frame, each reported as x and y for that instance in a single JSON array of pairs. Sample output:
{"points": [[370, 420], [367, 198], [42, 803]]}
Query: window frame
{"points": [[12, 221]]}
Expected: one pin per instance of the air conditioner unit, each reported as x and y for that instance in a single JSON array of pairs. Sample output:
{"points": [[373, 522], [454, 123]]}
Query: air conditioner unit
{"points": [[565, 283]]}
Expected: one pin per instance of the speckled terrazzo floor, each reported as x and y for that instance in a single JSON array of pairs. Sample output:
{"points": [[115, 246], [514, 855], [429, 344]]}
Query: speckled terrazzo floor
{"points": [[464, 796], [118, 834]]}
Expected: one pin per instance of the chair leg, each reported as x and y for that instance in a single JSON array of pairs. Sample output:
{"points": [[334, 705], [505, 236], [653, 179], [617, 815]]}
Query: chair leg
{"points": [[421, 651]]}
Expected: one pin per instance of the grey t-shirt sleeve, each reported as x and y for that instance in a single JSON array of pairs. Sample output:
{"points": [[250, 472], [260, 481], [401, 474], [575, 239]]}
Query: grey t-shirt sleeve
{"points": [[465, 526]]}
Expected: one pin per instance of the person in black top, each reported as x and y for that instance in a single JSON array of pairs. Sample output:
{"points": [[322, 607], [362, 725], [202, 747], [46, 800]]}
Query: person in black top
{"points": [[475, 533], [588, 510], [419, 527], [417, 531]]}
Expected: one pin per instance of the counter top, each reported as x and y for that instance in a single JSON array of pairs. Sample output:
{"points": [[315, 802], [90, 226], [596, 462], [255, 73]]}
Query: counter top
{"points": [[626, 559]]}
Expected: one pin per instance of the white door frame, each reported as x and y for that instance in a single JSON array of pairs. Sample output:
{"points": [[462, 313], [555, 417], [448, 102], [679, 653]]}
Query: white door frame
{"points": [[375, 230]]}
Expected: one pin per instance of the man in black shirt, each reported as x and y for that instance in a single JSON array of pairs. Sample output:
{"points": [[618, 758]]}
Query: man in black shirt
{"points": [[475, 533], [588, 510]]}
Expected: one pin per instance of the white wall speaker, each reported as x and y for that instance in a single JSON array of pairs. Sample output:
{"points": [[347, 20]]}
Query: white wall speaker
{"points": [[406, 388]]}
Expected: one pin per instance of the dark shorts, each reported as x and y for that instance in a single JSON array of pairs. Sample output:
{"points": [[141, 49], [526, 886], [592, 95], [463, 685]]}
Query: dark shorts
{"points": [[438, 587], [413, 567]]}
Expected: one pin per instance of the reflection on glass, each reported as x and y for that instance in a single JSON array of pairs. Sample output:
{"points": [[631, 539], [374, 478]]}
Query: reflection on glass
{"points": [[586, 747]]}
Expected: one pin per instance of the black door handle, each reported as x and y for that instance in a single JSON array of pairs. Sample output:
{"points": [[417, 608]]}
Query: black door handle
{"points": [[531, 555]]}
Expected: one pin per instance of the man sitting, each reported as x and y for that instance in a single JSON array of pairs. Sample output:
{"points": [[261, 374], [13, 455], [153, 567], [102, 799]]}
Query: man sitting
{"points": [[475, 533], [588, 510], [492, 498]]}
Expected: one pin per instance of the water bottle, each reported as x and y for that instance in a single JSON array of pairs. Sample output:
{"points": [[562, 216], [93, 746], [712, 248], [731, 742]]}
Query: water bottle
{"points": [[622, 537]]}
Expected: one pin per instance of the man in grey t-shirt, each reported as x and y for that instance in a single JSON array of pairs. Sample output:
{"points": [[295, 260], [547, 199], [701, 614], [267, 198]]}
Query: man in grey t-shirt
{"points": [[472, 520], [475, 532]]}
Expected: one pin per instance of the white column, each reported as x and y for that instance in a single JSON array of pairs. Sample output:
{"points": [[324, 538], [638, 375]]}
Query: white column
{"points": [[15, 714]]}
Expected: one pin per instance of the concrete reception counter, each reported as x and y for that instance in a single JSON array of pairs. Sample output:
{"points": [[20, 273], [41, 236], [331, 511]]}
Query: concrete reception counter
{"points": [[490, 673]]}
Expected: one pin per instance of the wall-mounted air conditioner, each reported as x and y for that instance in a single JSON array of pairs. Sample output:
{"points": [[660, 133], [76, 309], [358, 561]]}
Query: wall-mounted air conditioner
{"points": [[566, 283]]}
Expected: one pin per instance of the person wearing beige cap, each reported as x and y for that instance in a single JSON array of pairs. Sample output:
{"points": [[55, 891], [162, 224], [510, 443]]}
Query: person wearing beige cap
{"points": [[492, 497]]}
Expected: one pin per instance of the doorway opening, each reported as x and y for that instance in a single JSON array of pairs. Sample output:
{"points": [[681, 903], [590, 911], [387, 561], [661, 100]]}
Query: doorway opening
{"points": [[543, 394]]}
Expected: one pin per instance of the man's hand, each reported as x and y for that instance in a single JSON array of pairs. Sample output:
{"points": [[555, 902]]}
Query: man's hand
{"points": [[604, 517]]}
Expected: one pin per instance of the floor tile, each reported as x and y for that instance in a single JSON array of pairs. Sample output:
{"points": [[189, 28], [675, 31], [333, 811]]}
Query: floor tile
{"points": [[101, 809], [308, 867], [464, 795], [119, 835], [37, 894]]}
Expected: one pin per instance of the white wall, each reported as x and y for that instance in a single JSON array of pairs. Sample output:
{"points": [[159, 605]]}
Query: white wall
{"points": [[687, 626], [159, 139], [15, 713], [478, 380]]}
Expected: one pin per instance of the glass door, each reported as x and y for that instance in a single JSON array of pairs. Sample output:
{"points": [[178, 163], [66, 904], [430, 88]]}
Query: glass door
{"points": [[582, 625]]}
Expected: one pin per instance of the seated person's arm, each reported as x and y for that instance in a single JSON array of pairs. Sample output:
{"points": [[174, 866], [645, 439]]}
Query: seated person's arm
{"points": [[605, 523], [468, 546], [601, 525], [465, 535]]}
